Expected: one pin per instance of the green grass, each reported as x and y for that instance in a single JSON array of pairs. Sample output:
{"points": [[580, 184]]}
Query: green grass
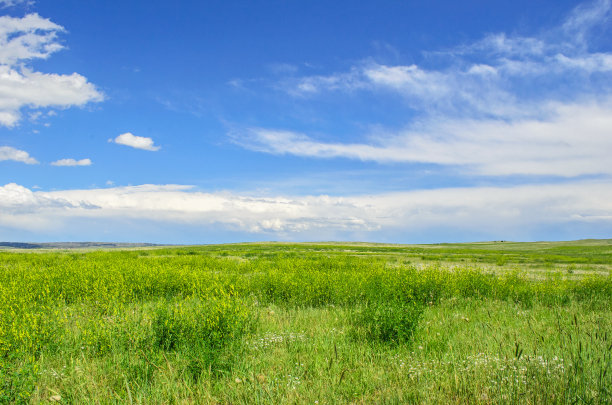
{"points": [[309, 323]]}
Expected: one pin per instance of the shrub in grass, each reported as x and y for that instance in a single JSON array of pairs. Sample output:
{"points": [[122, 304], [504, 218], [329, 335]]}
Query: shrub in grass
{"points": [[501, 260], [194, 322], [391, 322], [201, 329]]}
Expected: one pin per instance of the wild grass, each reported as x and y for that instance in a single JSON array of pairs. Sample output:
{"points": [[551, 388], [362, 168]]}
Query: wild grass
{"points": [[307, 323]]}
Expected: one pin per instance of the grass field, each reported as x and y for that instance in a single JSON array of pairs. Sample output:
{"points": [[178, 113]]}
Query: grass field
{"points": [[315, 323]]}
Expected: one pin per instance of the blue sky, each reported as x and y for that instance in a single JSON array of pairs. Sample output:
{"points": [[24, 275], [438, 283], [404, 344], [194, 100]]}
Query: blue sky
{"points": [[389, 121]]}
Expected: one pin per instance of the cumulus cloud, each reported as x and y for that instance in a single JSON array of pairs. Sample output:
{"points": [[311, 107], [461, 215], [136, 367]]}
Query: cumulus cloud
{"points": [[138, 142], [30, 37], [72, 162], [22, 40], [9, 153], [23, 209], [497, 211], [18, 199]]}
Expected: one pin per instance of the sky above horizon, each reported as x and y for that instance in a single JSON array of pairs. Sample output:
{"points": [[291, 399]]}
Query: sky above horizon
{"points": [[384, 121]]}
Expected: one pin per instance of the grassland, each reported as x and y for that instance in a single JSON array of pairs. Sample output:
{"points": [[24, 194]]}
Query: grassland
{"points": [[309, 323]]}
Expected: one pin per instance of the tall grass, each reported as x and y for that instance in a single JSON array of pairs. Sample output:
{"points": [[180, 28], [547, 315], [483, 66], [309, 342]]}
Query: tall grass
{"points": [[174, 323]]}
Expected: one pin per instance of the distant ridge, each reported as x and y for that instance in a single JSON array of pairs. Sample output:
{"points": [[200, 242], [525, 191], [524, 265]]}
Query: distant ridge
{"points": [[72, 245]]}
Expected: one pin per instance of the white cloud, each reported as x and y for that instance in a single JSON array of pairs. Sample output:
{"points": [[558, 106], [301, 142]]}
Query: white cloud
{"points": [[21, 208], [12, 3], [9, 153], [495, 211], [575, 140], [479, 89], [584, 18], [138, 142], [500, 45], [503, 105], [24, 39], [592, 63], [36, 90], [72, 162], [504, 76], [311, 85], [30, 37]]}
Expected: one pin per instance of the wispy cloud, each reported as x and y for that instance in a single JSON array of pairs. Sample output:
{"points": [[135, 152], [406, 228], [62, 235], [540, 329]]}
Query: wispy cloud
{"points": [[499, 75], [312, 85], [22, 40], [12, 3], [10, 153], [138, 142], [494, 211], [503, 105], [574, 140], [72, 162], [583, 19]]}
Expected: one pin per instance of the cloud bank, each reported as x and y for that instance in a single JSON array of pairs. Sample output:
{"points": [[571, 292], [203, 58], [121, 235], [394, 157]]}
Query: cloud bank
{"points": [[499, 212]]}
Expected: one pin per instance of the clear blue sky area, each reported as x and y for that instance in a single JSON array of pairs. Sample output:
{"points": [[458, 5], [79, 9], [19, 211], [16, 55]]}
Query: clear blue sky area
{"points": [[391, 121]]}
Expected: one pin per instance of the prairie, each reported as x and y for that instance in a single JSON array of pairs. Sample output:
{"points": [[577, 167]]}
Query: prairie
{"points": [[496, 322]]}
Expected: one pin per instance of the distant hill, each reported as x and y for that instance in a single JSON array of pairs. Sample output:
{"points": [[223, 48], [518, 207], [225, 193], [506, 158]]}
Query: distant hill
{"points": [[72, 245]]}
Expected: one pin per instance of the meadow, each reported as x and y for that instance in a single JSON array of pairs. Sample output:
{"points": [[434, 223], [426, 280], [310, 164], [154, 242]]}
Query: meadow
{"points": [[315, 323]]}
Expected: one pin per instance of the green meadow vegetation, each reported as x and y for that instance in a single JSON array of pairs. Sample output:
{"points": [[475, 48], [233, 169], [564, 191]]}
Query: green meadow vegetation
{"points": [[311, 323]]}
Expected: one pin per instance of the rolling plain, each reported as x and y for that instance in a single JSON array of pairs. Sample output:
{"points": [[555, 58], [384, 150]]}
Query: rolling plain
{"points": [[316, 323]]}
